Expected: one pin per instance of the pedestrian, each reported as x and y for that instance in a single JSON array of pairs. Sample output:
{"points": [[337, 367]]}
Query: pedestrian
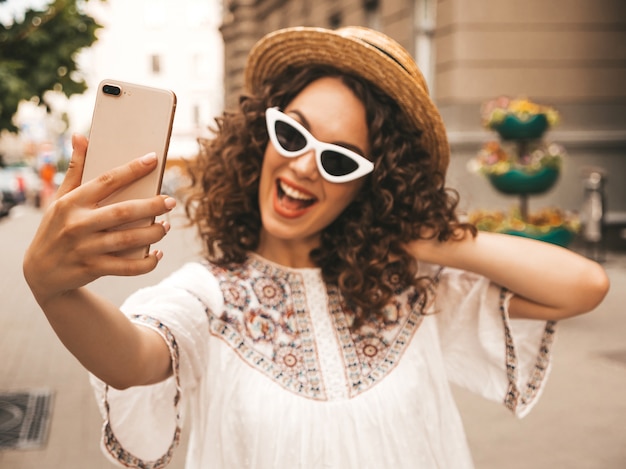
{"points": [[339, 293]]}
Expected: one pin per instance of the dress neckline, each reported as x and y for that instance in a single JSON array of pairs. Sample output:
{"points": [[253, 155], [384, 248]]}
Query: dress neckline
{"points": [[258, 260]]}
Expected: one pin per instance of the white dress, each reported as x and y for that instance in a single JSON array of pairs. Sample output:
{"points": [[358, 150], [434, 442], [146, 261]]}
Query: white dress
{"points": [[271, 376]]}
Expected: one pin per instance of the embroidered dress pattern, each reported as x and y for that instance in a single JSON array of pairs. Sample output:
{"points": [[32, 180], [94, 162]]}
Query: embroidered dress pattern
{"points": [[515, 398], [266, 321], [375, 348], [111, 443]]}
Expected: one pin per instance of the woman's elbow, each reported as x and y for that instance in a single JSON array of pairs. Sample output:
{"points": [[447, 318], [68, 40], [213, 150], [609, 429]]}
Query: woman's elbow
{"points": [[595, 285], [600, 286]]}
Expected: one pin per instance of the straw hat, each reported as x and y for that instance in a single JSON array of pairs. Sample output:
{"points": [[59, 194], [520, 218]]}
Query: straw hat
{"points": [[362, 52]]}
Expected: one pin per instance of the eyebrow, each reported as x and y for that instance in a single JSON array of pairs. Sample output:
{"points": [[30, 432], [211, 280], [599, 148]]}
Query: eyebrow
{"points": [[307, 125]]}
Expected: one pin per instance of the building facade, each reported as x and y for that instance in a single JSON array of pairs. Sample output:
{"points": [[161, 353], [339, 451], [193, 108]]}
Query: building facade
{"points": [[569, 54], [174, 45]]}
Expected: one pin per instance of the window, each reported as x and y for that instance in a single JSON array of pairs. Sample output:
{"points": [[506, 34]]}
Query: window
{"points": [[424, 27], [156, 63], [196, 115], [372, 14], [335, 20]]}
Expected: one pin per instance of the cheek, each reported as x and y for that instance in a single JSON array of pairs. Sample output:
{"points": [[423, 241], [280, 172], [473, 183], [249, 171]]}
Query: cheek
{"points": [[268, 157], [342, 195], [270, 161]]}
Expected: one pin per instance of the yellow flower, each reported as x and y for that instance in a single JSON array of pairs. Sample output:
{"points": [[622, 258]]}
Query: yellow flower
{"points": [[494, 111]]}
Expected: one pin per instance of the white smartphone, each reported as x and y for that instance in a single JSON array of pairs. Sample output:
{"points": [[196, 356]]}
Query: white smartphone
{"points": [[130, 120]]}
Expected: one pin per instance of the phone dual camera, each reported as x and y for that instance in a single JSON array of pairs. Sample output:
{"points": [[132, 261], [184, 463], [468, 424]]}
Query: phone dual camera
{"points": [[112, 90]]}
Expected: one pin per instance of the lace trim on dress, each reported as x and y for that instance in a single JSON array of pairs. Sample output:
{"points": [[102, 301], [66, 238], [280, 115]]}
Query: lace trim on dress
{"points": [[517, 399], [320, 301], [111, 443], [375, 348]]}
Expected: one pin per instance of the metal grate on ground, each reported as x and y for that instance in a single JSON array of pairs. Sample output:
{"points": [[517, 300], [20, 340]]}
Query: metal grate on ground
{"points": [[25, 418]]}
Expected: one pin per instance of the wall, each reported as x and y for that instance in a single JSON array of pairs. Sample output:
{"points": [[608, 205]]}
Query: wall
{"points": [[185, 37], [246, 21], [570, 54], [567, 53]]}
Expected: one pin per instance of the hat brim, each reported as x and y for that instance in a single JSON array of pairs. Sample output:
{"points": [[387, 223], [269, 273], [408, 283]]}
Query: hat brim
{"points": [[301, 46]]}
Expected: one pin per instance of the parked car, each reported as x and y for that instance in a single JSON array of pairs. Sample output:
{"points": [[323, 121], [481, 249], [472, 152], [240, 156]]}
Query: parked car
{"points": [[5, 208], [18, 185]]}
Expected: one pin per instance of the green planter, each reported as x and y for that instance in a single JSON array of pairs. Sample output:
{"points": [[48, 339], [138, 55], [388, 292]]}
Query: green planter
{"points": [[559, 235], [517, 181], [513, 128]]}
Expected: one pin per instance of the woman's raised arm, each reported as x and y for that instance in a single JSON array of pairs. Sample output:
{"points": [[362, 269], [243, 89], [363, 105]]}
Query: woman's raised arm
{"points": [[75, 245], [549, 282]]}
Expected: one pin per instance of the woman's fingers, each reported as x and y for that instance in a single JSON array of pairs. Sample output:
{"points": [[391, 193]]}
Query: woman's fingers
{"points": [[98, 189], [114, 265], [116, 241], [60, 258], [74, 172], [69, 220], [136, 212], [78, 239]]}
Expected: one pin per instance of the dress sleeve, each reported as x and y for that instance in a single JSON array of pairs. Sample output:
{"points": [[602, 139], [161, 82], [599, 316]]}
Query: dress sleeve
{"points": [[502, 359], [142, 424]]}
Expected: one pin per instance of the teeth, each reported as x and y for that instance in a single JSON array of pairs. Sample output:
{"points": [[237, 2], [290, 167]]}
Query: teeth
{"points": [[293, 193]]}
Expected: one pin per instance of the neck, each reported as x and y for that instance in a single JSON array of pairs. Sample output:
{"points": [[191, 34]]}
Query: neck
{"points": [[287, 253]]}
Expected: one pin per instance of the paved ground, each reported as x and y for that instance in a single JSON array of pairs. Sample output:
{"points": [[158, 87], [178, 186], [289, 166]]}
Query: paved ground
{"points": [[580, 422]]}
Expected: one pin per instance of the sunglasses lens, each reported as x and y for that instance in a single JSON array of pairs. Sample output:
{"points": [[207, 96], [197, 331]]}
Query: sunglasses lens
{"points": [[336, 164], [289, 137]]}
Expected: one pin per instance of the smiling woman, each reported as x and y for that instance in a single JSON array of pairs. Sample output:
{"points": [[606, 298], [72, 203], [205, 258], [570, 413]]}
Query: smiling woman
{"points": [[338, 295], [331, 110]]}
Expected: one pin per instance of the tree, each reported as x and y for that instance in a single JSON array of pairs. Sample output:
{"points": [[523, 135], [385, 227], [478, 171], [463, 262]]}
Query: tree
{"points": [[37, 54]]}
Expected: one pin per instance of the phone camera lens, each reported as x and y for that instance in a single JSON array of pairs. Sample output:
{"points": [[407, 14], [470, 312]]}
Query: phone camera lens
{"points": [[112, 90]]}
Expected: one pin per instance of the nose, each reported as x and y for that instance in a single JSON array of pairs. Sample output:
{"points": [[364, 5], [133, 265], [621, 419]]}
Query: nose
{"points": [[305, 166]]}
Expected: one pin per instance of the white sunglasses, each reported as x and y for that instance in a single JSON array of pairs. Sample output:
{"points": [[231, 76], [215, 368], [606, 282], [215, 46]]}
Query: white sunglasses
{"points": [[334, 162]]}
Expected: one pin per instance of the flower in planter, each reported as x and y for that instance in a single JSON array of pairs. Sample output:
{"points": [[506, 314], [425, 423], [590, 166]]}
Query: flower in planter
{"points": [[541, 222], [544, 155], [494, 112], [496, 158]]}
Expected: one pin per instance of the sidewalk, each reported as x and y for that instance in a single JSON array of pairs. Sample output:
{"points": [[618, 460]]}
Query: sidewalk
{"points": [[579, 423], [580, 420], [33, 356]]}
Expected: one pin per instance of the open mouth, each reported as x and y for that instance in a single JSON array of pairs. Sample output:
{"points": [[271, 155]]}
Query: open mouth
{"points": [[291, 199]]}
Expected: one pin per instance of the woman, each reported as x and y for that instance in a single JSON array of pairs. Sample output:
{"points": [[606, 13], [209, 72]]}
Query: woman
{"points": [[339, 294]]}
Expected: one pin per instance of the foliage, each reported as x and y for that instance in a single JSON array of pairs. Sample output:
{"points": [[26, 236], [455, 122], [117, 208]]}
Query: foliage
{"points": [[539, 222], [499, 158], [38, 54]]}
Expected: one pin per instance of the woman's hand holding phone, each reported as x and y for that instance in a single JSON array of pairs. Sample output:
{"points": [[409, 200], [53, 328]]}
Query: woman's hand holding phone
{"points": [[78, 238], [102, 223]]}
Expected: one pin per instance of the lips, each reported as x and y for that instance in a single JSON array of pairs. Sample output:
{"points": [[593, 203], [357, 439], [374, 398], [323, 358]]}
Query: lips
{"points": [[290, 201]]}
